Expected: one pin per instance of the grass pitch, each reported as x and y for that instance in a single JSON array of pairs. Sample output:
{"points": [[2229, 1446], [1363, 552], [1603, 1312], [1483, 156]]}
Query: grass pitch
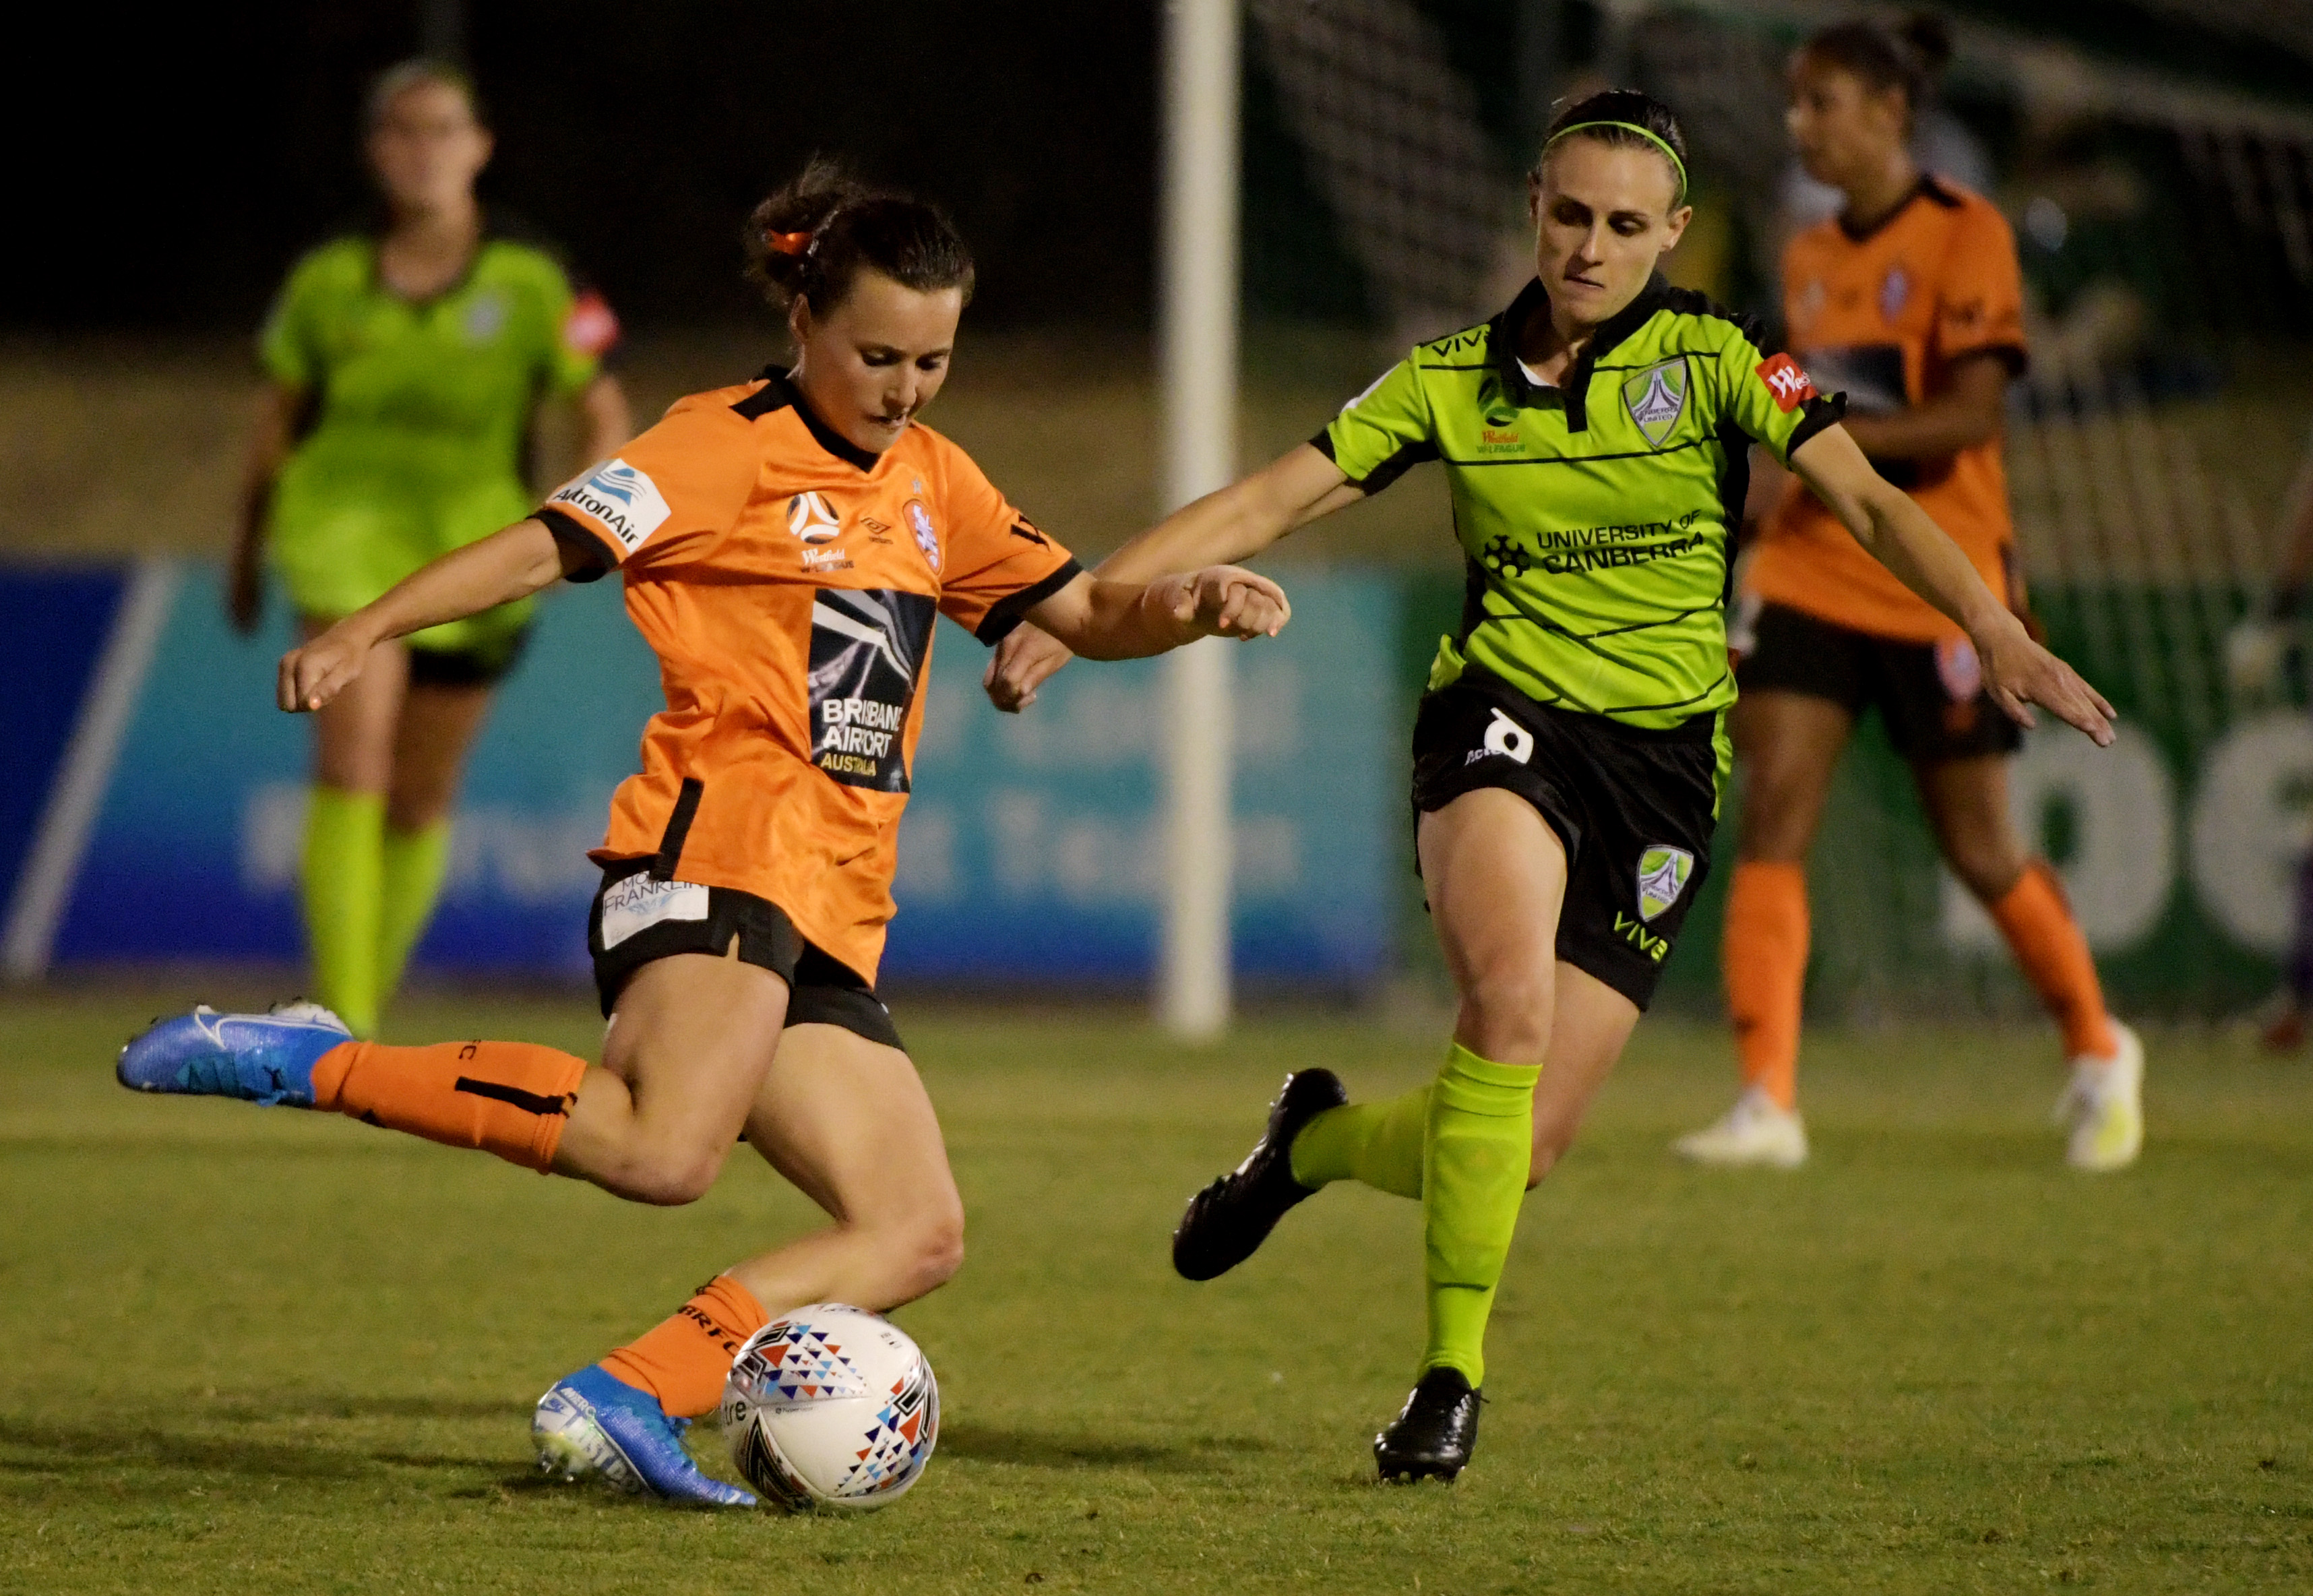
{"points": [[252, 1350]]}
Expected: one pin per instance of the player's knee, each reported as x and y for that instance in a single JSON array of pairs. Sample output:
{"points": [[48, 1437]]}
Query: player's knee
{"points": [[1506, 1014], [931, 1249], [1984, 866], [667, 1175]]}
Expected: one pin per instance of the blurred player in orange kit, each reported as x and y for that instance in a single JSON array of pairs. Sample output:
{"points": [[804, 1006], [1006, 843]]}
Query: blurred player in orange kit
{"points": [[785, 544], [1911, 301]]}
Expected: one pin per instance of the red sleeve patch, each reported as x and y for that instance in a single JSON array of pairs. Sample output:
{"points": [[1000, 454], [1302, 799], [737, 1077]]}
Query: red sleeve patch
{"points": [[590, 327], [1786, 382]]}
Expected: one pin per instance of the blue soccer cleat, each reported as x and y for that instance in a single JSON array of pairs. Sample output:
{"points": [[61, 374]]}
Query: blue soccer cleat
{"points": [[266, 1059], [595, 1423]]}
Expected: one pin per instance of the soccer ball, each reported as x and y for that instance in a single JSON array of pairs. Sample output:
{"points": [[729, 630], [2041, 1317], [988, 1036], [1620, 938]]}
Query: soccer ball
{"points": [[831, 1406]]}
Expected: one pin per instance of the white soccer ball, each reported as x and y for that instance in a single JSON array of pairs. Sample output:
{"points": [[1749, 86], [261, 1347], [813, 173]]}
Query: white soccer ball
{"points": [[831, 1406]]}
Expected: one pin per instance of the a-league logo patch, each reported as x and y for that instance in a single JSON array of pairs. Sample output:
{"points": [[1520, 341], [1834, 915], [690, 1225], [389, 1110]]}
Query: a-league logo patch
{"points": [[1656, 398], [1663, 872]]}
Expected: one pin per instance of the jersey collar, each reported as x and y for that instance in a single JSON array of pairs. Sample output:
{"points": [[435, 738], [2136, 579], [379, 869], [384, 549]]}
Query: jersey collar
{"points": [[778, 392], [1927, 189], [1574, 393]]}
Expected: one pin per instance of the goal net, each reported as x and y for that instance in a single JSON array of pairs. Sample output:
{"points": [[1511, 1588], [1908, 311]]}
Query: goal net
{"points": [[2165, 225]]}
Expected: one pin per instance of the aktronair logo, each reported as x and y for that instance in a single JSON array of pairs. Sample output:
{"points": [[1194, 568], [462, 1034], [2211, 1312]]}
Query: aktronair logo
{"points": [[1663, 872], [624, 500], [1656, 398]]}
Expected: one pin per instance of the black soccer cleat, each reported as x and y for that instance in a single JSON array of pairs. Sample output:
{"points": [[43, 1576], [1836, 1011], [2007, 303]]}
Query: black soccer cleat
{"points": [[1226, 1222], [1433, 1437]]}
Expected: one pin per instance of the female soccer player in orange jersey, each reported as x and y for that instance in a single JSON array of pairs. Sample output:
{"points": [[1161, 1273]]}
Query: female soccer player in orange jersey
{"points": [[785, 544], [1911, 301]]}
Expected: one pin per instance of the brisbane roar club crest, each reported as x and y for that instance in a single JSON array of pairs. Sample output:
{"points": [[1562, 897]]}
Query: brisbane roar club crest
{"points": [[1656, 398], [919, 518], [1663, 872]]}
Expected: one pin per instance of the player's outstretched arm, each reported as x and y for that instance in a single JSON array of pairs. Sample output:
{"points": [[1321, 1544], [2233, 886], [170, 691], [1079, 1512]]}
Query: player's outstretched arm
{"points": [[2017, 672], [504, 565], [1222, 528], [1103, 618]]}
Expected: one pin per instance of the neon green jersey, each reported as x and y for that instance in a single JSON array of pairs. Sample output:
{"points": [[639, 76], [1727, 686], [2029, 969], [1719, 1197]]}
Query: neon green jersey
{"points": [[421, 411], [1593, 518]]}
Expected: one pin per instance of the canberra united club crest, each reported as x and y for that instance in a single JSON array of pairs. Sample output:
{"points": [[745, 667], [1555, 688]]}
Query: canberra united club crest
{"points": [[1656, 398], [1662, 877]]}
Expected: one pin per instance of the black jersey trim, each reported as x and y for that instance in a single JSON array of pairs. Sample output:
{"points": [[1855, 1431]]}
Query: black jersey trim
{"points": [[1927, 189], [1005, 615], [1693, 443], [778, 392], [1396, 465], [678, 829], [1656, 297], [1821, 413], [592, 550]]}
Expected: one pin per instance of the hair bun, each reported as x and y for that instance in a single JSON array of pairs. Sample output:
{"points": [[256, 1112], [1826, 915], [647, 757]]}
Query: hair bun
{"points": [[1929, 38]]}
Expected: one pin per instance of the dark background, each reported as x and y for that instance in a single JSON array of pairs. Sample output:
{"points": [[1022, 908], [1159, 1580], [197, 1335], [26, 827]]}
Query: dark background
{"points": [[172, 170], [169, 165]]}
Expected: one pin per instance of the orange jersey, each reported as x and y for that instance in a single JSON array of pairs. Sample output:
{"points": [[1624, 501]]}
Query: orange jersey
{"points": [[1883, 317], [788, 580]]}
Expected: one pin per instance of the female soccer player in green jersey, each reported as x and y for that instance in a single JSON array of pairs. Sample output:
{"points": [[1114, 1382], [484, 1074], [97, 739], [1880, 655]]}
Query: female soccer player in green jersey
{"points": [[1570, 753], [405, 367]]}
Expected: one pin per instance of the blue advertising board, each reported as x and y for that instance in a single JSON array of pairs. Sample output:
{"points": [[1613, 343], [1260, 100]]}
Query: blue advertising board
{"points": [[1031, 851]]}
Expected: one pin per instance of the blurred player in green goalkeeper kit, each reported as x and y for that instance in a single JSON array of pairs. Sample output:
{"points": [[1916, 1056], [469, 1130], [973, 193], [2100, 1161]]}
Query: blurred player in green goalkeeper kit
{"points": [[406, 365], [1570, 753]]}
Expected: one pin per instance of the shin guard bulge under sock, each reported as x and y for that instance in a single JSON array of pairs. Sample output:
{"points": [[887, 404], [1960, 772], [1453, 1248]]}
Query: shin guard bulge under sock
{"points": [[1764, 956], [344, 865], [1376, 1143], [1479, 1144], [510, 1098], [414, 863], [2040, 928], [684, 1360]]}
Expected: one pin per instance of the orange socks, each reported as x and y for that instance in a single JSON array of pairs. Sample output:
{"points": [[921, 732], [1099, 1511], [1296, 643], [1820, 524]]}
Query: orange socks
{"points": [[510, 1098], [2047, 942], [1764, 956], [684, 1361]]}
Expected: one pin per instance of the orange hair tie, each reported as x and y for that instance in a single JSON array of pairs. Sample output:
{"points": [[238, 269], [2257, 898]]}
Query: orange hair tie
{"points": [[788, 244]]}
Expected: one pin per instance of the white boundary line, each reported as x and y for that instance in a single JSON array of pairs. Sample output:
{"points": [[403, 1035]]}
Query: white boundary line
{"points": [[44, 888]]}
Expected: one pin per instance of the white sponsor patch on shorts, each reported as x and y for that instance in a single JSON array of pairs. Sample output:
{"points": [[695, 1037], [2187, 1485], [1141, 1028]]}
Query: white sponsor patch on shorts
{"points": [[622, 499], [639, 903]]}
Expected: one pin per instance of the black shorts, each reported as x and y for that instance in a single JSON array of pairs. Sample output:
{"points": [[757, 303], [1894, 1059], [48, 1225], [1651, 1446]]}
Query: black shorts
{"points": [[1634, 808], [485, 665], [1929, 695], [645, 920]]}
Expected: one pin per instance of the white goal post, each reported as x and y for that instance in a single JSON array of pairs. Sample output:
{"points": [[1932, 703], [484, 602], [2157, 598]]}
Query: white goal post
{"points": [[1197, 338]]}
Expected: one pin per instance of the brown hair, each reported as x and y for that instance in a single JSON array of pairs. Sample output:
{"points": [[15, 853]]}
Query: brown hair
{"points": [[402, 76], [1632, 108], [1910, 55], [811, 239]]}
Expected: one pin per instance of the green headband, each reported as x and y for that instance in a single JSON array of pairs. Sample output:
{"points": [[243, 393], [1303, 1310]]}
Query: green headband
{"points": [[1655, 139]]}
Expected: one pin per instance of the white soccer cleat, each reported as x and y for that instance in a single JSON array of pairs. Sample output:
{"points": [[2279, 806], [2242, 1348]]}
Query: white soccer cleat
{"points": [[2103, 1106], [1757, 1132]]}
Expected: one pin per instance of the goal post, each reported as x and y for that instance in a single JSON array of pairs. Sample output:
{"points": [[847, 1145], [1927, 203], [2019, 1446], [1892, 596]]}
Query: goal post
{"points": [[1197, 337]]}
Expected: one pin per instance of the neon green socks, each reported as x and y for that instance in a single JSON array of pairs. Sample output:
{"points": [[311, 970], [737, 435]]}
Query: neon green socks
{"points": [[1474, 1158], [414, 864], [345, 869], [1378, 1143]]}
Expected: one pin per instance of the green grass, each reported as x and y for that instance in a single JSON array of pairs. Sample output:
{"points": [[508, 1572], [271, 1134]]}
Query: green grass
{"points": [[255, 1351]]}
